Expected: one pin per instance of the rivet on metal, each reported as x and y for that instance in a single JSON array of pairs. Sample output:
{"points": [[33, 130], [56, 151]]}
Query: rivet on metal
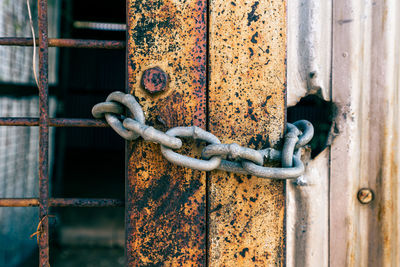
{"points": [[365, 195], [154, 80]]}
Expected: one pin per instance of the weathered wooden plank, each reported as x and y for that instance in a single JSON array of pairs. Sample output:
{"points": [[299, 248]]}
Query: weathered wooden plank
{"points": [[365, 231], [247, 105], [309, 47], [165, 211]]}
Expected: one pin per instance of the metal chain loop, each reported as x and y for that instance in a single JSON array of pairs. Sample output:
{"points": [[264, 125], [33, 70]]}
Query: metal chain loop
{"points": [[216, 156], [291, 139], [150, 134], [234, 151], [276, 173], [109, 109], [101, 109], [185, 161], [307, 132]]}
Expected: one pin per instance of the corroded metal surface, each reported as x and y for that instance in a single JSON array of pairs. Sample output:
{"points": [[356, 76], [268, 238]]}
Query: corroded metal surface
{"points": [[19, 202], [43, 135], [165, 209], [69, 122], [247, 106], [154, 80], [86, 202], [365, 195], [54, 122], [74, 43], [62, 202]]}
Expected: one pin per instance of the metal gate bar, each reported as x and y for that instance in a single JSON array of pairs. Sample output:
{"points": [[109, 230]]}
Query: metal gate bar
{"points": [[53, 122], [62, 202], [72, 43], [43, 134], [44, 202]]}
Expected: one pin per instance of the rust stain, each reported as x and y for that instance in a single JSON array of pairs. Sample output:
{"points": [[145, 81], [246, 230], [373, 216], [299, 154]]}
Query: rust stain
{"points": [[247, 106], [154, 80], [165, 209]]}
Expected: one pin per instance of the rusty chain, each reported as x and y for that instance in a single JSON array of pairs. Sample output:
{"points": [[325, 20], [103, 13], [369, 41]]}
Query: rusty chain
{"points": [[225, 157]]}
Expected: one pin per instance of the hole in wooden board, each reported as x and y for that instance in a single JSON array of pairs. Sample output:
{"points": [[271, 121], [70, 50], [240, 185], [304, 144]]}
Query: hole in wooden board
{"points": [[321, 114]]}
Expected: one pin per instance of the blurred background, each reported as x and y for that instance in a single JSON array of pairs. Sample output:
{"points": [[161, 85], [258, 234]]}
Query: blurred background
{"points": [[84, 162]]}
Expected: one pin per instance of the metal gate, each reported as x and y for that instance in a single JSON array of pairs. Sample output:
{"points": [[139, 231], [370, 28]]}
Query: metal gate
{"points": [[226, 66], [44, 122], [225, 63], [221, 66]]}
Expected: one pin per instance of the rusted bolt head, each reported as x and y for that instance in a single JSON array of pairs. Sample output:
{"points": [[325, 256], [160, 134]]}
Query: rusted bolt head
{"points": [[154, 80], [365, 195]]}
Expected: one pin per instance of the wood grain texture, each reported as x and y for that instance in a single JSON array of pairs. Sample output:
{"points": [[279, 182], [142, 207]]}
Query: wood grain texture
{"points": [[165, 211], [247, 106], [365, 151]]}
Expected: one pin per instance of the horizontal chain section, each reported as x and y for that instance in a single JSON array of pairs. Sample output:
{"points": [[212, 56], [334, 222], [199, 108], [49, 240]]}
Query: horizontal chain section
{"points": [[215, 156]]}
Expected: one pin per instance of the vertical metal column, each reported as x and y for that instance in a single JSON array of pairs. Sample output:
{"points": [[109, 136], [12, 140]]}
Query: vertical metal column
{"points": [[43, 135], [247, 93], [165, 203]]}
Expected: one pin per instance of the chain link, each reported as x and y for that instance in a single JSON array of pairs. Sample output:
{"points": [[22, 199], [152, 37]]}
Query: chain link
{"points": [[150, 134], [234, 151], [113, 103], [185, 161], [215, 156]]}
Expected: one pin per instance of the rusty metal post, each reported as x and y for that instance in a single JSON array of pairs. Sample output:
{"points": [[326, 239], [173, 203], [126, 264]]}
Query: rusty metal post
{"points": [[165, 203], [74, 43], [44, 122], [53, 122], [247, 87], [43, 136]]}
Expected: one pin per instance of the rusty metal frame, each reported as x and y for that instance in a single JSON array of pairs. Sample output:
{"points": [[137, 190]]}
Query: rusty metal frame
{"points": [[44, 202], [73, 43]]}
